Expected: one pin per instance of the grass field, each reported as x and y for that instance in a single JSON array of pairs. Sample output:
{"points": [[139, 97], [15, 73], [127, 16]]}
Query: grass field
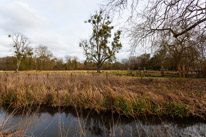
{"points": [[131, 73], [125, 95], [146, 74]]}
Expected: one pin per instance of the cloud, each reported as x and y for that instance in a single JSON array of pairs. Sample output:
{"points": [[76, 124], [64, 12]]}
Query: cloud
{"points": [[5, 41], [60, 44], [20, 17], [56, 24], [5, 46]]}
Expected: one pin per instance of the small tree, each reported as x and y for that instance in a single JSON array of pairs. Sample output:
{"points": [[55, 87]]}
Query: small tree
{"points": [[98, 49], [43, 58], [21, 46]]}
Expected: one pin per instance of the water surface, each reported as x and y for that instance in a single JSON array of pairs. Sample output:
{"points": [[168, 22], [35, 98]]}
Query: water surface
{"points": [[53, 122]]}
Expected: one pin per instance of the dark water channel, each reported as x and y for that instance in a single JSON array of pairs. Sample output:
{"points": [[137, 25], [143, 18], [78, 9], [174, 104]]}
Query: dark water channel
{"points": [[54, 122]]}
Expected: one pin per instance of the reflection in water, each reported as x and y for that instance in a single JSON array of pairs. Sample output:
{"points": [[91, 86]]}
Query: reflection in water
{"points": [[53, 122]]}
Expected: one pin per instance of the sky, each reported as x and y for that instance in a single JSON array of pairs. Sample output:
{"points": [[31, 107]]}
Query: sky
{"points": [[57, 24]]}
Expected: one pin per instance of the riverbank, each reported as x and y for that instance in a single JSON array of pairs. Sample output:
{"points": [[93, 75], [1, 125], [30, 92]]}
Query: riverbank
{"points": [[119, 94]]}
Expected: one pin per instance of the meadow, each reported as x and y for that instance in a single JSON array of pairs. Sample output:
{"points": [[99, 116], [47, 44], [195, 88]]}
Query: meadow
{"points": [[110, 91]]}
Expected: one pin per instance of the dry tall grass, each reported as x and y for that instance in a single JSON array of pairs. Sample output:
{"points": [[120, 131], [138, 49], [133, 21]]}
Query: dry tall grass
{"points": [[123, 95]]}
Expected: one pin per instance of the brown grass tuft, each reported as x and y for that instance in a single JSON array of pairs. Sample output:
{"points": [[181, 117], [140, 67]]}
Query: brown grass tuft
{"points": [[121, 94]]}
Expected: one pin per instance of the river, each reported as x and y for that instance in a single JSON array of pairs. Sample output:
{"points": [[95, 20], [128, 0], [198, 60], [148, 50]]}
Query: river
{"points": [[54, 122]]}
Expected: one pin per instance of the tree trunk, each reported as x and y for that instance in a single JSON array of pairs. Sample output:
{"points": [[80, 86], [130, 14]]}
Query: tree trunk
{"points": [[204, 69], [162, 71], [99, 67], [18, 65], [181, 70], [187, 70], [17, 68]]}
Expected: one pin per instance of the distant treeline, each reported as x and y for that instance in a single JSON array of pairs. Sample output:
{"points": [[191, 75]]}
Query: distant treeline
{"points": [[49, 62], [72, 63]]}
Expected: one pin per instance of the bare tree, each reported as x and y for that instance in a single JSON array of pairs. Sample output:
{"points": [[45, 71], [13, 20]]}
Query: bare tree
{"points": [[99, 48], [68, 62], [174, 17], [43, 52], [175, 21], [202, 50], [43, 57], [171, 17], [21, 46], [121, 4], [184, 50]]}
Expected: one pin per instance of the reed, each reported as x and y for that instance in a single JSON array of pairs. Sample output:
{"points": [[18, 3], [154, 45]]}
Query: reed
{"points": [[103, 92]]}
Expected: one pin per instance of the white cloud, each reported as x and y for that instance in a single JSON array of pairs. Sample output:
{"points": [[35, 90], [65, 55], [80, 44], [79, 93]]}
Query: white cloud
{"points": [[5, 46], [5, 41], [60, 44], [56, 24], [20, 17]]}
